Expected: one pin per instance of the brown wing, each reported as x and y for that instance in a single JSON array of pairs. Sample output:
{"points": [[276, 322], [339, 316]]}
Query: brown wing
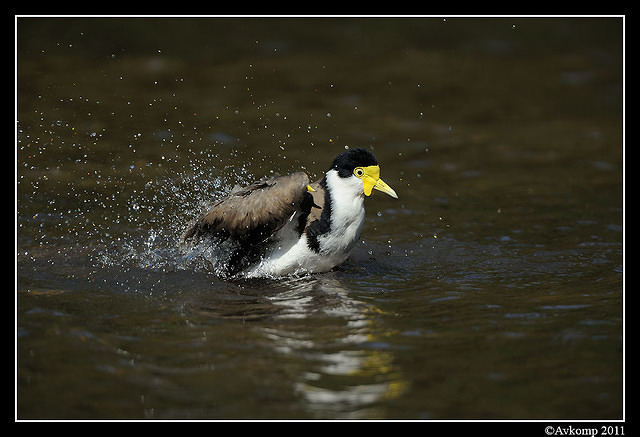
{"points": [[255, 212], [318, 202]]}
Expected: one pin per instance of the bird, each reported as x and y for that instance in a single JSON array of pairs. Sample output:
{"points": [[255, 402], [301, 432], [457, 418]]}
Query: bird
{"points": [[288, 225]]}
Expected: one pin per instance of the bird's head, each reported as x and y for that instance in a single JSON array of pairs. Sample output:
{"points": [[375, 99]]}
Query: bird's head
{"points": [[361, 166]]}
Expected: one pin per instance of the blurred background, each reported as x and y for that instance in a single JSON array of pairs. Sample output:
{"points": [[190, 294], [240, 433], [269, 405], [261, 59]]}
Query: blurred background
{"points": [[492, 288]]}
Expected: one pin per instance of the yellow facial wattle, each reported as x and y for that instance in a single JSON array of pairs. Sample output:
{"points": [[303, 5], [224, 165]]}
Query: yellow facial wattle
{"points": [[371, 180]]}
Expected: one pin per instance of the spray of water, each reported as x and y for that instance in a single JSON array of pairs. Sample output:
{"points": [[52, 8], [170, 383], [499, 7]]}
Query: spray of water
{"points": [[158, 214]]}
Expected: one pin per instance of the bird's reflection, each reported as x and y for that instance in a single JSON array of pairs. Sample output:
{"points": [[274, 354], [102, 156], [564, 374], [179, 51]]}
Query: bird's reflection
{"points": [[332, 343], [350, 369]]}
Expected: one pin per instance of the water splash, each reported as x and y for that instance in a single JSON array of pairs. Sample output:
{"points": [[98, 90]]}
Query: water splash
{"points": [[158, 214]]}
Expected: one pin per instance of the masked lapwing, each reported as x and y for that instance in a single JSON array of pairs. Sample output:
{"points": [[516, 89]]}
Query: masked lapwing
{"points": [[285, 225]]}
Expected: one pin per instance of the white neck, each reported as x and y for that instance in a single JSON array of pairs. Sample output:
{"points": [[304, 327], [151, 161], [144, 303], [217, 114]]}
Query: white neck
{"points": [[347, 212]]}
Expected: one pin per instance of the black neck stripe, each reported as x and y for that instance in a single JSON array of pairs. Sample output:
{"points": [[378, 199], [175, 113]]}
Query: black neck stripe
{"points": [[322, 226]]}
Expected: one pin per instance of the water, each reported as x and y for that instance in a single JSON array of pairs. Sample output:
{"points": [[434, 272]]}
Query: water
{"points": [[491, 289]]}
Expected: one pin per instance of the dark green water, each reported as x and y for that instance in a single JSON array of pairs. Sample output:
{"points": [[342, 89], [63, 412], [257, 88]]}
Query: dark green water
{"points": [[491, 289]]}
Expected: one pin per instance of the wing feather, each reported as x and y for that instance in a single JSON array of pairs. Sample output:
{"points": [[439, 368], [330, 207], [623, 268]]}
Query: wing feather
{"points": [[253, 213], [318, 202]]}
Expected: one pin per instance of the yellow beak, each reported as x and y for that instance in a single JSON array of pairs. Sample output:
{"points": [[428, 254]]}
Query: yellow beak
{"points": [[371, 181]]}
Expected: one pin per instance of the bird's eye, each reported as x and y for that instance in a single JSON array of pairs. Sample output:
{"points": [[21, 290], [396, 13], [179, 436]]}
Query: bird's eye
{"points": [[358, 171]]}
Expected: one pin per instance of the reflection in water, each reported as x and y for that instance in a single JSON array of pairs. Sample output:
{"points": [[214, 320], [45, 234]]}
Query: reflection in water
{"points": [[343, 366], [352, 369]]}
